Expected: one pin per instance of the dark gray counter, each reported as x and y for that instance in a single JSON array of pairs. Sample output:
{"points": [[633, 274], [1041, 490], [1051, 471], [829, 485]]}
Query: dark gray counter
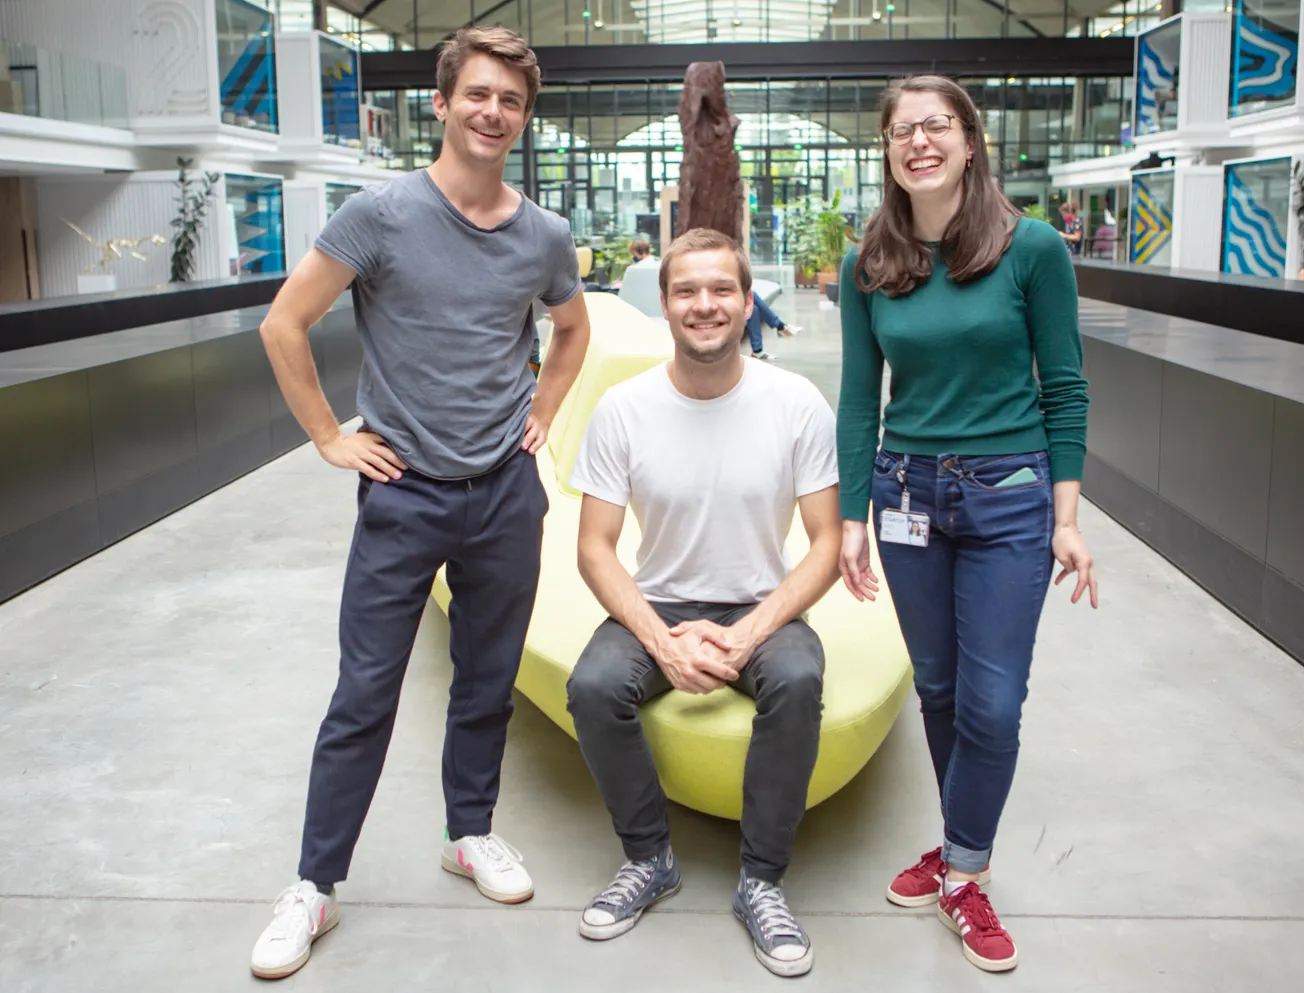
{"points": [[1273, 308], [1196, 445], [110, 433]]}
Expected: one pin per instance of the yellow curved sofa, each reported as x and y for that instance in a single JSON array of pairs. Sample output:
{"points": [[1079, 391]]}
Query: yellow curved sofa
{"points": [[699, 742]]}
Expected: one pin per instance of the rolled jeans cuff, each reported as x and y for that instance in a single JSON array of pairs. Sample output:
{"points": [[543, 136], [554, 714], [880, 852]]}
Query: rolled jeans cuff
{"points": [[965, 860]]}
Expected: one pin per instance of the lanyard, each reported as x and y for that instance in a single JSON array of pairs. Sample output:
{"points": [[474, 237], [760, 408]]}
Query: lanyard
{"points": [[903, 467]]}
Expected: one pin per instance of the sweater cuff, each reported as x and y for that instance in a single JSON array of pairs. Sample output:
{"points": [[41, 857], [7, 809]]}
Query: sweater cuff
{"points": [[1066, 464], [854, 506]]}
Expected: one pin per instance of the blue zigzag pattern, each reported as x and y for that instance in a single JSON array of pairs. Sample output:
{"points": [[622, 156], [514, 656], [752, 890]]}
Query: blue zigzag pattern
{"points": [[1253, 242], [1155, 74], [249, 88], [1265, 61]]}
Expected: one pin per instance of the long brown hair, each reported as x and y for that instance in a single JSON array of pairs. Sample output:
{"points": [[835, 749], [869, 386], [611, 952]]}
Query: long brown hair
{"points": [[891, 257]]}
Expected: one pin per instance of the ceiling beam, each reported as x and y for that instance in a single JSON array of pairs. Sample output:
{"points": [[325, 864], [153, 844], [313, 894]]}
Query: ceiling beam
{"points": [[790, 60]]}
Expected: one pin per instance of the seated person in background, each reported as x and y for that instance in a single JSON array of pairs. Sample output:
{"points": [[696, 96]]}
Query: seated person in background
{"points": [[763, 314], [639, 249], [714, 602]]}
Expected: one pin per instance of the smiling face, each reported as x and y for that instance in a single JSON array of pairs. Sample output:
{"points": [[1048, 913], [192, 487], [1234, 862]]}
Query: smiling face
{"points": [[705, 304], [928, 164], [486, 113]]}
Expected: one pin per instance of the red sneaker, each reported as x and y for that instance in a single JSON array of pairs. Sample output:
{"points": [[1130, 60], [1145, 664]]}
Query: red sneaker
{"points": [[919, 885], [969, 914]]}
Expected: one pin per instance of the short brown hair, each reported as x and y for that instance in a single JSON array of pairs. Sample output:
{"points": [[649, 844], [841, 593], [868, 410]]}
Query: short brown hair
{"points": [[704, 240], [891, 257], [500, 42]]}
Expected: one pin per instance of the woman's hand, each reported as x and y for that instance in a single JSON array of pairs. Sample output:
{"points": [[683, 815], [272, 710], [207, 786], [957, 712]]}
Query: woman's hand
{"points": [[853, 563], [1071, 552]]}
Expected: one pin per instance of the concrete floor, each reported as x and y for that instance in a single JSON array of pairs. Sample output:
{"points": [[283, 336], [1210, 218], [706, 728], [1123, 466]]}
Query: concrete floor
{"points": [[158, 705]]}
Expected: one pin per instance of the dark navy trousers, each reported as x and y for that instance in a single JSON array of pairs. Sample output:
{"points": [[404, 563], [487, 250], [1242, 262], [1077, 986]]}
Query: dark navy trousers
{"points": [[488, 531]]}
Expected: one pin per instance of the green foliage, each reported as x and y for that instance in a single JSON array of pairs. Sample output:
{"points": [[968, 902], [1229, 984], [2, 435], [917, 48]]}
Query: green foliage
{"points": [[818, 233], [612, 255], [1037, 212], [193, 195]]}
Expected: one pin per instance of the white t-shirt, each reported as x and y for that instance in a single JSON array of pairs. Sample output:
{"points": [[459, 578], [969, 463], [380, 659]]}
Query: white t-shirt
{"points": [[713, 483]]}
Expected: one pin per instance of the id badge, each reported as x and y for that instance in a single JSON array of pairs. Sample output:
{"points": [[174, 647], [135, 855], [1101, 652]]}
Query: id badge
{"points": [[898, 527]]}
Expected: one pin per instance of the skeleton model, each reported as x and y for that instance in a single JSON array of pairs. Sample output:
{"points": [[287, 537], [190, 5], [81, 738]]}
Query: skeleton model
{"points": [[113, 249]]}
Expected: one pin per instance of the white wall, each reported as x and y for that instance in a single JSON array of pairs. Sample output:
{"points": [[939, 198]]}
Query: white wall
{"points": [[115, 207]]}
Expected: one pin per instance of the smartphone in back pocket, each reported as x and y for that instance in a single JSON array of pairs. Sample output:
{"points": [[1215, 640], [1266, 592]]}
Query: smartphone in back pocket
{"points": [[1024, 475]]}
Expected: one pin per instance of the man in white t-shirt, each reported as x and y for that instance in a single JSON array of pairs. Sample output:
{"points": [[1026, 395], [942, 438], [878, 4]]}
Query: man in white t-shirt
{"points": [[713, 453]]}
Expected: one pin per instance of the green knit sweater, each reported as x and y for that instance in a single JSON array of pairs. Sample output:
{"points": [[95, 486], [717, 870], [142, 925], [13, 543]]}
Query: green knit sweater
{"points": [[962, 360]]}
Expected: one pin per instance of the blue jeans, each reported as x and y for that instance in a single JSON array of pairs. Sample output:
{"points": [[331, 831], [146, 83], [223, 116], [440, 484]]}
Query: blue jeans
{"points": [[761, 313], [968, 605]]}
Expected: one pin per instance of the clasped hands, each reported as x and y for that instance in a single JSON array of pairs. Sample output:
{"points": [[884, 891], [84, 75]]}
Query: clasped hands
{"points": [[701, 656]]}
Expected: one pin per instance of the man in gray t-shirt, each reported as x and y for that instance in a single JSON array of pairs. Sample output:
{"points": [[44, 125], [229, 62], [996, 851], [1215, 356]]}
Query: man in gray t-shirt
{"points": [[445, 264]]}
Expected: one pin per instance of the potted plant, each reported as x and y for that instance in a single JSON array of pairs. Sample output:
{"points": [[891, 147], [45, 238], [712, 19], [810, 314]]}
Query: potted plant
{"points": [[192, 203], [818, 234]]}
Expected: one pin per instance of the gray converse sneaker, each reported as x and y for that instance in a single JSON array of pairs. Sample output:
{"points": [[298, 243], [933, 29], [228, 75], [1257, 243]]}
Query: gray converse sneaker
{"points": [[781, 944], [636, 887]]}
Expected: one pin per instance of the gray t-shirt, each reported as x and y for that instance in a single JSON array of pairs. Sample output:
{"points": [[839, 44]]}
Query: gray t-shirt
{"points": [[444, 310]]}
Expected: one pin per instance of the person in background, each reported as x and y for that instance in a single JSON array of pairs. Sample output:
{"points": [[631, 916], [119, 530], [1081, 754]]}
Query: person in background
{"points": [[975, 485], [762, 314], [1072, 232], [444, 264], [639, 249]]}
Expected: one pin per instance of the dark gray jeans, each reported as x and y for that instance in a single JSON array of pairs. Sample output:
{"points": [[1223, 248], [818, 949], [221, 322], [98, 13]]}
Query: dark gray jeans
{"points": [[785, 676]]}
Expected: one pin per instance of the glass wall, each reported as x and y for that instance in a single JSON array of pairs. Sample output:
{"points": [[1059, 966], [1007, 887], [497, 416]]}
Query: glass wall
{"points": [[1265, 55], [422, 23], [257, 205], [604, 153], [1157, 69], [246, 64], [1151, 225], [1256, 215]]}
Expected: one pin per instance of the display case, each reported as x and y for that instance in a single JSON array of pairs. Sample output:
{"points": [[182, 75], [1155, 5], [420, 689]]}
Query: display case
{"points": [[1174, 108], [1265, 98], [204, 75], [1257, 236], [255, 207], [1150, 234]]}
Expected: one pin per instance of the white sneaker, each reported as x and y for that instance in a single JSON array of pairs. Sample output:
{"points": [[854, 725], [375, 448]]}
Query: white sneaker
{"points": [[300, 916], [492, 863], [788, 330]]}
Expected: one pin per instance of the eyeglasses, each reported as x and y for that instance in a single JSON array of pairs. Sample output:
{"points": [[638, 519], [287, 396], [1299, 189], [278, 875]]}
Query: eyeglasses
{"points": [[935, 126]]}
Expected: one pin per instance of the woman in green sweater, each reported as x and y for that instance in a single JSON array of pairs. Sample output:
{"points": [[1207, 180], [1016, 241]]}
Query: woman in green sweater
{"points": [[975, 486]]}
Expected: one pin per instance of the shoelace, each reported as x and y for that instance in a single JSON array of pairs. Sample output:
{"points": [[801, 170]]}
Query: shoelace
{"points": [[771, 909], [284, 919], [977, 909], [928, 865], [491, 848], [629, 881]]}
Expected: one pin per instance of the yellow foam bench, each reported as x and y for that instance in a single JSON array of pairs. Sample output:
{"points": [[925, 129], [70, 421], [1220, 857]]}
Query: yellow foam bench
{"points": [[699, 742]]}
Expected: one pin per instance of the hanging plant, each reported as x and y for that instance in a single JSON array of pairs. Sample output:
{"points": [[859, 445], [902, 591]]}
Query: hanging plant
{"points": [[193, 197]]}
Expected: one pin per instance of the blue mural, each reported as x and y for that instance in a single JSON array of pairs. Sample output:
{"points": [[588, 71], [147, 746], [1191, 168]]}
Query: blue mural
{"points": [[1156, 86], [1265, 57], [340, 102], [1256, 210], [260, 222], [246, 58]]}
